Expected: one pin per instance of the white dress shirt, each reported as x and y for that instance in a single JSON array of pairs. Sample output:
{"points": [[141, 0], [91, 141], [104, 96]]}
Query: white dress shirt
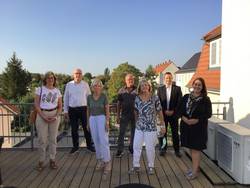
{"points": [[168, 93], [76, 94]]}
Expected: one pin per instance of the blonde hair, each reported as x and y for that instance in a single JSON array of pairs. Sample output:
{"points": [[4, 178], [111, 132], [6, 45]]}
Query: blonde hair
{"points": [[95, 82], [141, 82], [47, 75]]}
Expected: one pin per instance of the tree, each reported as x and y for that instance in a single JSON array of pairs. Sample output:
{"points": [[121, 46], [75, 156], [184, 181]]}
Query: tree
{"points": [[105, 78], [87, 77], [150, 75], [15, 80], [117, 79]]}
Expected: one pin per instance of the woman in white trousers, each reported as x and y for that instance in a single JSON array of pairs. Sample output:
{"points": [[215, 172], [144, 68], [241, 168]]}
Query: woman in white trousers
{"points": [[147, 107]]}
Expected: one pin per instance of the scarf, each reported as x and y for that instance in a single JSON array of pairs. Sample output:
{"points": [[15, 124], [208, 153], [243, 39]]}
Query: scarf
{"points": [[192, 103]]}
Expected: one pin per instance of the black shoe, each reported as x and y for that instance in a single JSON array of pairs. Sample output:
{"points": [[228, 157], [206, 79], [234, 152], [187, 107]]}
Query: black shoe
{"points": [[131, 150], [119, 154], [74, 150], [91, 149], [162, 153], [178, 154]]}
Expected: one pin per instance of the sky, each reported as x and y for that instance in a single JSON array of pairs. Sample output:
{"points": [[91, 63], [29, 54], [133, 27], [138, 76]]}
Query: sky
{"points": [[61, 35]]}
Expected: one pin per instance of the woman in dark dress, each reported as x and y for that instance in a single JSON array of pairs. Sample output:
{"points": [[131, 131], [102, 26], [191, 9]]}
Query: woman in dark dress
{"points": [[195, 110]]}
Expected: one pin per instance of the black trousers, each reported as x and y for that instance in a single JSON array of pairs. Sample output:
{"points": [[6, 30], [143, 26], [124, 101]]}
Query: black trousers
{"points": [[124, 122], [173, 122], [77, 114]]}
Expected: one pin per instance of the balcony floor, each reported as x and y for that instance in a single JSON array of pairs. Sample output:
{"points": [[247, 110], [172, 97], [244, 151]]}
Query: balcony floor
{"points": [[78, 170]]}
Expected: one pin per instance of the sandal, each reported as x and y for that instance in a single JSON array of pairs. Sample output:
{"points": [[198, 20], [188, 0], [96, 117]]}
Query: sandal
{"points": [[191, 176], [107, 167], [134, 170], [40, 166], [151, 171], [53, 164], [100, 164]]}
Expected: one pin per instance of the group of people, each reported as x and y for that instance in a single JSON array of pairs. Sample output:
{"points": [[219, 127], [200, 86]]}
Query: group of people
{"points": [[136, 106]]}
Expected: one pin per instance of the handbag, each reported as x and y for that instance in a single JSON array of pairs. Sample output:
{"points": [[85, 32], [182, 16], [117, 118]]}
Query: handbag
{"points": [[33, 112]]}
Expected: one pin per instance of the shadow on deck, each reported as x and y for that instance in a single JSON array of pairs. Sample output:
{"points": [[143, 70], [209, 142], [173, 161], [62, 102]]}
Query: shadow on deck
{"points": [[79, 171]]}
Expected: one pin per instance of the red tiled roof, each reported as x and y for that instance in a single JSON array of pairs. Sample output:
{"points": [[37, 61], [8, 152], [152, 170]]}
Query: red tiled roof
{"points": [[215, 33], [161, 67], [211, 76], [11, 107]]}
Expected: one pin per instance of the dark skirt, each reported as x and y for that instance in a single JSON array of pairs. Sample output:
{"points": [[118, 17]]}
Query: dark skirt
{"points": [[194, 136]]}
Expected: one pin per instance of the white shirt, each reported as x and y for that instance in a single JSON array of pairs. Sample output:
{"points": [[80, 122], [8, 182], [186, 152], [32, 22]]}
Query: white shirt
{"points": [[49, 97], [76, 94], [168, 93]]}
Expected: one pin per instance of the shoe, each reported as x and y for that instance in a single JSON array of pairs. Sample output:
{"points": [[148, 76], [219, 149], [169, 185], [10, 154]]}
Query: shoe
{"points": [[151, 171], [107, 167], [53, 164], [119, 154], [40, 166], [178, 154], [131, 150], [74, 150], [162, 153], [191, 176], [134, 170], [188, 172], [91, 149], [99, 165]]}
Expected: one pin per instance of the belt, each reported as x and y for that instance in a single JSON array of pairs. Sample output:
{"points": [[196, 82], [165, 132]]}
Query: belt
{"points": [[49, 110]]}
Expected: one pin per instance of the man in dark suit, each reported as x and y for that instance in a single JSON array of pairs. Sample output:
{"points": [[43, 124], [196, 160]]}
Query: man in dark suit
{"points": [[170, 96]]}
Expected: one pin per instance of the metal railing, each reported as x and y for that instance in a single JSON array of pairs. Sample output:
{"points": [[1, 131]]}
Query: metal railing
{"points": [[18, 133]]}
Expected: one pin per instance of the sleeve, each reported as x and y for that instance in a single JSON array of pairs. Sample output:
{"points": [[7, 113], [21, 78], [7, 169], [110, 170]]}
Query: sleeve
{"points": [[208, 108], [119, 97], [157, 104], [179, 99], [59, 93], [66, 99], [181, 107]]}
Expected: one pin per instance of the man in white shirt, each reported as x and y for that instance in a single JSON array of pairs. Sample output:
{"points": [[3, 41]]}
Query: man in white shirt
{"points": [[75, 109]]}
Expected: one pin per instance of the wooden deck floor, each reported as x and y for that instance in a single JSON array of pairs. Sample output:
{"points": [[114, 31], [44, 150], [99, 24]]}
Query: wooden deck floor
{"points": [[79, 171]]}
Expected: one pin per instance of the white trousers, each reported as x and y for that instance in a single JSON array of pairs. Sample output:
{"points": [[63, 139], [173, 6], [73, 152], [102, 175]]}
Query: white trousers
{"points": [[150, 139], [100, 137]]}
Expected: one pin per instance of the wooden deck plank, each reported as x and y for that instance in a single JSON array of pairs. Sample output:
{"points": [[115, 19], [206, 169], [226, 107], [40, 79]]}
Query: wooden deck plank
{"points": [[37, 181], [115, 176], [53, 173], [86, 180], [169, 173], [85, 160], [163, 179], [79, 171], [153, 180], [225, 178], [201, 180], [178, 172]]}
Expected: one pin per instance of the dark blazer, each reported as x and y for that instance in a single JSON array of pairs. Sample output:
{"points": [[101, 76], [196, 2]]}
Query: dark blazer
{"points": [[175, 98]]}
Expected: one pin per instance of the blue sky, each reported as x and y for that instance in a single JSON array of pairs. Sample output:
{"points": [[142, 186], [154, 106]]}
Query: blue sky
{"points": [[61, 35]]}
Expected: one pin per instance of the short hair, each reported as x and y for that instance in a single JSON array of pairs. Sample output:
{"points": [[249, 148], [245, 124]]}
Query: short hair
{"points": [[169, 73], [48, 74], [204, 88], [141, 82], [95, 82]]}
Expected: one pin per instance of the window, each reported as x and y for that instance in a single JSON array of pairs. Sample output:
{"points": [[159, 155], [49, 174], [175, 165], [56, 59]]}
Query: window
{"points": [[215, 53]]}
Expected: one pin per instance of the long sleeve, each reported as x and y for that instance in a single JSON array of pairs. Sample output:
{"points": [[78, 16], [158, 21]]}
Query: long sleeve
{"points": [[66, 100]]}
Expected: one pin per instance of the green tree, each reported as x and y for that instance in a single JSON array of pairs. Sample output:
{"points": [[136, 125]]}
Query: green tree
{"points": [[117, 79], [15, 80], [105, 78], [151, 75], [87, 77]]}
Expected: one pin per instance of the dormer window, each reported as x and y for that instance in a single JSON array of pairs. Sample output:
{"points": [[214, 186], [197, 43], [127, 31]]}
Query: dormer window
{"points": [[215, 53]]}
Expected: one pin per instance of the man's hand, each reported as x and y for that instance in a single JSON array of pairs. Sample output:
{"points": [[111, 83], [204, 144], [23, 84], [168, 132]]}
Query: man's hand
{"points": [[169, 112], [66, 116]]}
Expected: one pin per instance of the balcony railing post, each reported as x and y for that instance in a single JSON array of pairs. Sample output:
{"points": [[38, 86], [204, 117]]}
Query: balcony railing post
{"points": [[224, 113], [32, 137]]}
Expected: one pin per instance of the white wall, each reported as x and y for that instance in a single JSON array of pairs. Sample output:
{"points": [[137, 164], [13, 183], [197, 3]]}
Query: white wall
{"points": [[182, 80], [235, 65], [171, 68]]}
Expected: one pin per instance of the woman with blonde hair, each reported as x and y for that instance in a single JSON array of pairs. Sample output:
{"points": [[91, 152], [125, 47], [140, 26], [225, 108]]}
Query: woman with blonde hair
{"points": [[147, 108], [48, 104], [98, 118]]}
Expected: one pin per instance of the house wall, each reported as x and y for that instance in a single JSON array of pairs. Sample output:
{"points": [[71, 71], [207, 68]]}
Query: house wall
{"points": [[5, 127], [182, 80], [171, 68], [235, 66]]}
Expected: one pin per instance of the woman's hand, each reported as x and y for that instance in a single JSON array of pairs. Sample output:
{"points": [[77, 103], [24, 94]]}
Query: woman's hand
{"points": [[193, 121], [107, 126], [163, 129]]}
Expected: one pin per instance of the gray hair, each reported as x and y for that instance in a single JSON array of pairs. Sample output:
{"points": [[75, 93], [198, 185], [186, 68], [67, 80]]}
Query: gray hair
{"points": [[95, 82]]}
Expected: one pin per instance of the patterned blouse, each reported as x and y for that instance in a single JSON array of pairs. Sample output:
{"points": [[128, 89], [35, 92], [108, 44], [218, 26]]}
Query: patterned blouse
{"points": [[147, 113]]}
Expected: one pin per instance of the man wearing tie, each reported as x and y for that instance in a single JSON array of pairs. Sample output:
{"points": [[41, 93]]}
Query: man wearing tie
{"points": [[170, 96]]}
